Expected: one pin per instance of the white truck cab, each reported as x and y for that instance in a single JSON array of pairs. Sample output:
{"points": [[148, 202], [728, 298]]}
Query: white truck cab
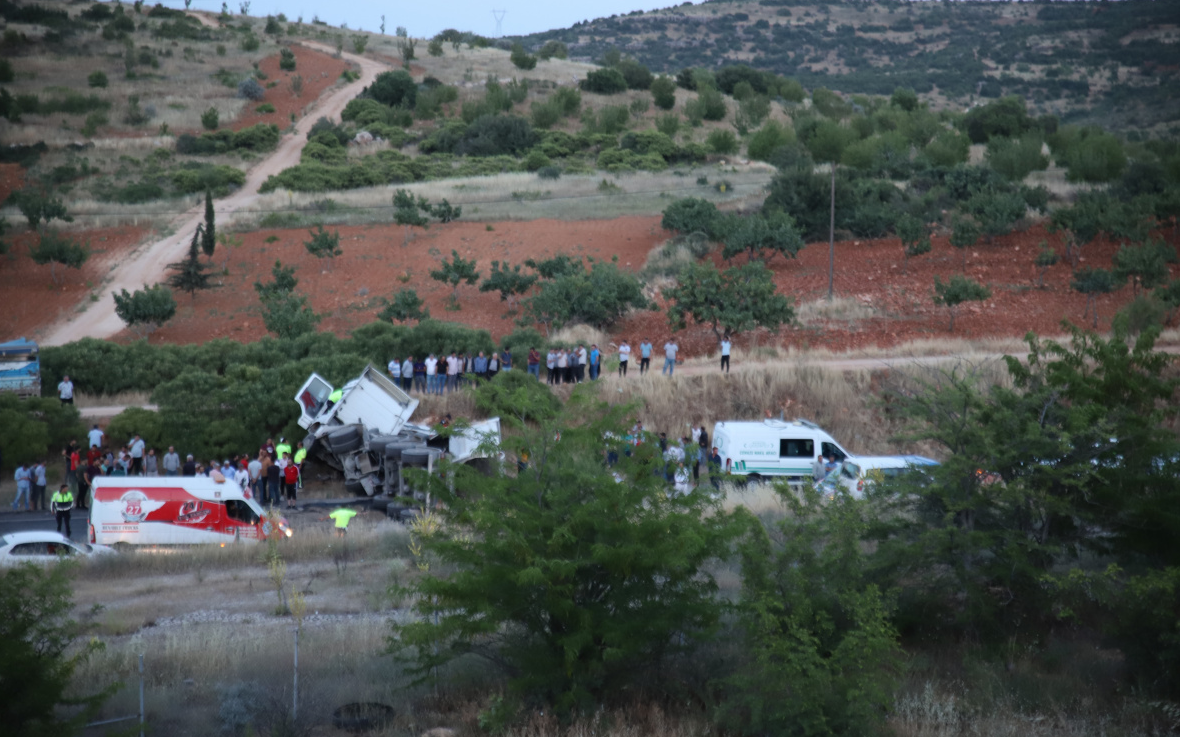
{"points": [[363, 427], [775, 448]]}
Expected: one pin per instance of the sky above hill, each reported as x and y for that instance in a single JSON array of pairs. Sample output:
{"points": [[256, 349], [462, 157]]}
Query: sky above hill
{"points": [[424, 19]]}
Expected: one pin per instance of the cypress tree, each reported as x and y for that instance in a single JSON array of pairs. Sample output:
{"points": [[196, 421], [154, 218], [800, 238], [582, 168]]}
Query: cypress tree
{"points": [[209, 240], [190, 273]]}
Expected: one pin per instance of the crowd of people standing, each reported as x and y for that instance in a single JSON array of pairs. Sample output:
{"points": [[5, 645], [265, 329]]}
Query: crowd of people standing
{"points": [[273, 476], [445, 373]]}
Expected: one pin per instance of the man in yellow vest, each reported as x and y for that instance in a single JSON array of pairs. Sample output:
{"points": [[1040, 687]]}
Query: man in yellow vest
{"points": [[300, 454], [61, 504], [333, 398], [342, 516]]}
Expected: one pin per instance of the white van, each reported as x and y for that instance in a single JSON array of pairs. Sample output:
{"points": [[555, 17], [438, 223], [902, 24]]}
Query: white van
{"points": [[177, 510], [775, 448], [855, 474]]}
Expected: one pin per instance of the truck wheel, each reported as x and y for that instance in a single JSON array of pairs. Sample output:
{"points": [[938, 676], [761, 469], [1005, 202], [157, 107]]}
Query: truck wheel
{"points": [[346, 440], [355, 488], [393, 451], [380, 503], [416, 457], [378, 444]]}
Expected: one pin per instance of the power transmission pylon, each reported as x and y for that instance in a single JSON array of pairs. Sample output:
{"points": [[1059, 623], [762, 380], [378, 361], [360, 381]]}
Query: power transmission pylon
{"points": [[499, 16]]}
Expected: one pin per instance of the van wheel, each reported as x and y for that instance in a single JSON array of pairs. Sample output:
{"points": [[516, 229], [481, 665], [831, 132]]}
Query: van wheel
{"points": [[754, 480]]}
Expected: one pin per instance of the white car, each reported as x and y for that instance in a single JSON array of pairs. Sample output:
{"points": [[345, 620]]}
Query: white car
{"points": [[44, 546], [857, 472]]}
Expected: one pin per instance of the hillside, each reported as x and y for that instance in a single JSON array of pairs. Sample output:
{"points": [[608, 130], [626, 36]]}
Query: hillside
{"points": [[1111, 64]]}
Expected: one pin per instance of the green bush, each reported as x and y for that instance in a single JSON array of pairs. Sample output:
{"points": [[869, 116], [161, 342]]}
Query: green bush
{"points": [[598, 296], [32, 429], [522, 59], [97, 78], [708, 105], [495, 135], [637, 76], [762, 144], [286, 60], [663, 92], [194, 177], [610, 120], [690, 215], [136, 192], [722, 141], [1016, 158], [517, 393], [604, 82], [264, 108], [137, 421], [395, 89], [1006, 117], [814, 627], [210, 119]]}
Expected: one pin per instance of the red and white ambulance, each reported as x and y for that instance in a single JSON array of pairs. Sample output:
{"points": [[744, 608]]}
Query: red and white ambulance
{"points": [[177, 510]]}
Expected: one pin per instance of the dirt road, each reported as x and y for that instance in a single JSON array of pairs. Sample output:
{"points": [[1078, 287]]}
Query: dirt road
{"points": [[148, 263]]}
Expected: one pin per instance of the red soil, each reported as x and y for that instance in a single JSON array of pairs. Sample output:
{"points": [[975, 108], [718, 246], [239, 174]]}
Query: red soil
{"points": [[32, 301], [12, 177], [319, 71], [375, 264]]}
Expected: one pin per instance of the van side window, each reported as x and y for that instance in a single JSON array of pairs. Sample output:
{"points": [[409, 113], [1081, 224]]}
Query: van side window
{"points": [[796, 448], [831, 449], [239, 511]]}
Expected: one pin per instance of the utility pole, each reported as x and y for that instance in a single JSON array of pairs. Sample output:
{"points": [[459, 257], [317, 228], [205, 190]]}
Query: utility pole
{"points": [[832, 235]]}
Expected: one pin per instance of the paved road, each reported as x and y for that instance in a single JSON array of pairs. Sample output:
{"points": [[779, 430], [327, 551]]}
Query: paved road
{"points": [[22, 521]]}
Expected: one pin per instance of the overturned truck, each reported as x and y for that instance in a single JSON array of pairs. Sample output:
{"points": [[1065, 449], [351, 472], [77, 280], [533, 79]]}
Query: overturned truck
{"points": [[363, 429]]}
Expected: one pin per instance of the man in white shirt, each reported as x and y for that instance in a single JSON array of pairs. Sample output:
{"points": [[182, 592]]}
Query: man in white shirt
{"points": [[171, 462], [454, 366], [725, 348], [670, 349], [95, 437], [137, 448], [407, 373], [395, 372], [65, 390], [551, 366], [624, 356], [583, 357], [431, 373]]}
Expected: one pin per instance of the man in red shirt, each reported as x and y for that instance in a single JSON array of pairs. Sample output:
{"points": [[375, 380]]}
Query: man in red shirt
{"points": [[534, 363]]}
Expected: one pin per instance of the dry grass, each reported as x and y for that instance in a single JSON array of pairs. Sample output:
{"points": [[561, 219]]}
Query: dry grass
{"points": [[844, 309], [122, 399], [489, 198]]}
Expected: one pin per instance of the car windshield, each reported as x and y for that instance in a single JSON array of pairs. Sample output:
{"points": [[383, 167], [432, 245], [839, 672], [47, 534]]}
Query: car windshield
{"points": [[850, 470]]}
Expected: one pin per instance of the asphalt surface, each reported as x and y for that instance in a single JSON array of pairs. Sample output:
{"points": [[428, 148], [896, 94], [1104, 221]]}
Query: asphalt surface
{"points": [[24, 521]]}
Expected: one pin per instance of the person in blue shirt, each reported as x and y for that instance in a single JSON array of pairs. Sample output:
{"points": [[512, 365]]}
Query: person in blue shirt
{"points": [[595, 357], [505, 360], [644, 356], [481, 366]]}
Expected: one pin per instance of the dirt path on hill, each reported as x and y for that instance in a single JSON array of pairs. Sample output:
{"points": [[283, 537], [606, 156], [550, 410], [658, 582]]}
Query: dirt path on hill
{"points": [[148, 263]]}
